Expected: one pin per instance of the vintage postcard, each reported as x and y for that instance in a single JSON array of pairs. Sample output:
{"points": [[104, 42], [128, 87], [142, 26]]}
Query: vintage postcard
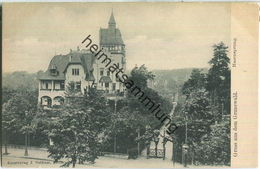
{"points": [[129, 85]]}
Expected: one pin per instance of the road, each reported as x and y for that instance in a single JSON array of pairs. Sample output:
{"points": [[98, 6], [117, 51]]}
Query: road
{"points": [[38, 158]]}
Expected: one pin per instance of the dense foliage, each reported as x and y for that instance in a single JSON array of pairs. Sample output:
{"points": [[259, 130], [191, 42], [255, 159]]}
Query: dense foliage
{"points": [[79, 129], [87, 125], [132, 117], [207, 112]]}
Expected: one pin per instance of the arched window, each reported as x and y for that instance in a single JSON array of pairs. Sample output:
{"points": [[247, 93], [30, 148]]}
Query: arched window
{"points": [[57, 101], [46, 101]]}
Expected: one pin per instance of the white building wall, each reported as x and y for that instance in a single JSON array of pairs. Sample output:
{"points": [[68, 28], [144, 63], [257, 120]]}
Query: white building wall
{"points": [[98, 65], [76, 78], [115, 58], [50, 93]]}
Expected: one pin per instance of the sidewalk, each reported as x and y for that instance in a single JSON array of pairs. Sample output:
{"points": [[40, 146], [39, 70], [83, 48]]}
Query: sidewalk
{"points": [[39, 158], [32, 153]]}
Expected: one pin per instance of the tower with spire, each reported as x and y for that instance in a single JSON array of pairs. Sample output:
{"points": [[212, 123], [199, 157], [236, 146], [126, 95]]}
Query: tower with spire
{"points": [[111, 39], [112, 44], [83, 70], [112, 22]]}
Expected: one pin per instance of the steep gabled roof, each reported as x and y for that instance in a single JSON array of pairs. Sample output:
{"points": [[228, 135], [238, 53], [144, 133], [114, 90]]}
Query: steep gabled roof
{"points": [[61, 62]]}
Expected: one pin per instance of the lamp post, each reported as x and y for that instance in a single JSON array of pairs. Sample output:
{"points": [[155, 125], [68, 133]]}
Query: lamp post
{"points": [[115, 126], [164, 143], [138, 143], [147, 142], [185, 146], [26, 142], [222, 108], [26, 135], [156, 140], [5, 136], [186, 127]]}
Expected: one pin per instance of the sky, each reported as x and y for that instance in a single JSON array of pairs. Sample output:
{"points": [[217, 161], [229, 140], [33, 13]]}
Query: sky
{"points": [[159, 35]]}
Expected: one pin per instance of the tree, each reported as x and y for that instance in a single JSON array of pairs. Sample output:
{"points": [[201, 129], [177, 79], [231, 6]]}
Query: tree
{"points": [[199, 116], [132, 117], [215, 146], [196, 81], [7, 93], [7, 116], [79, 129], [136, 115], [218, 81], [207, 101], [7, 125], [140, 76], [19, 113], [44, 121]]}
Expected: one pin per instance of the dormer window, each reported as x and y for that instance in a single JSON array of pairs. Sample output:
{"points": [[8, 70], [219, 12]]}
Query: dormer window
{"points": [[75, 72], [53, 70]]}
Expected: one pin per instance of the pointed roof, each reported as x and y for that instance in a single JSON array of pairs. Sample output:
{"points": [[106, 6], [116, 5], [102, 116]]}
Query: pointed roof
{"points": [[111, 35], [112, 19], [112, 22]]}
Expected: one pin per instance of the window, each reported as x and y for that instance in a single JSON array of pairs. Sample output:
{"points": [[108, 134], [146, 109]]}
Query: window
{"points": [[59, 85], [54, 72], [46, 85], [101, 72], [46, 101], [106, 84], [56, 85], [62, 86], [108, 73], [75, 72], [114, 86], [78, 85]]}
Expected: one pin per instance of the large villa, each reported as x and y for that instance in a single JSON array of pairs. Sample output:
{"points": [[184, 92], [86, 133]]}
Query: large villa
{"points": [[82, 70]]}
